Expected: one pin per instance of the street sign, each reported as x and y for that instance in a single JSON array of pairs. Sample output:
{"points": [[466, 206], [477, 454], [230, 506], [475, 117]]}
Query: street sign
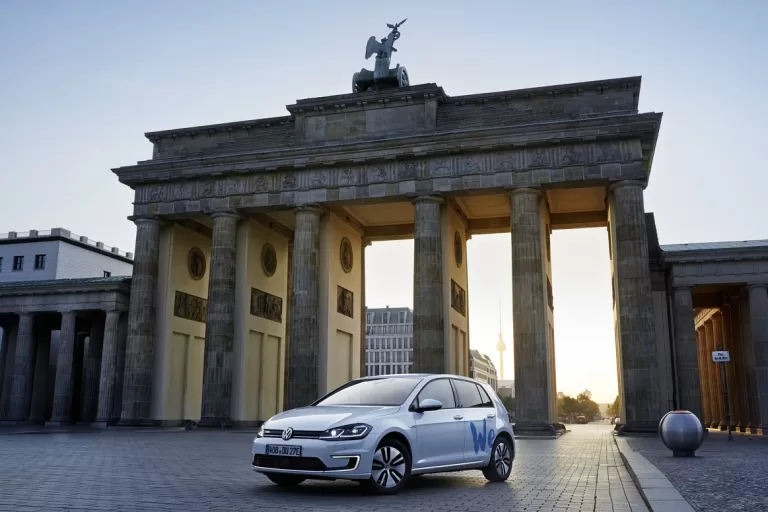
{"points": [[721, 356]]}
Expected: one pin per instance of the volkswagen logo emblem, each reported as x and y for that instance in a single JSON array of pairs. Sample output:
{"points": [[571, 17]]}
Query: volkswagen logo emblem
{"points": [[287, 434]]}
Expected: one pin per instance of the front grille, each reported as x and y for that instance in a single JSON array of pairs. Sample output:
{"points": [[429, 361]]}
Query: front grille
{"points": [[295, 463], [298, 434]]}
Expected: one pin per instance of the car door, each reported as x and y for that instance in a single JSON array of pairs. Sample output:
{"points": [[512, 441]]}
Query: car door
{"points": [[479, 420], [440, 433]]}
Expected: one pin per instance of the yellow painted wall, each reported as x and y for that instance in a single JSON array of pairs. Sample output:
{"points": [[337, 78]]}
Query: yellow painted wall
{"points": [[259, 345], [178, 369], [456, 330], [340, 336]]}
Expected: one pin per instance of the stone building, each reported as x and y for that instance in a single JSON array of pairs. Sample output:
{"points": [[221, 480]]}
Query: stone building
{"points": [[388, 341], [63, 324], [481, 368], [248, 284]]}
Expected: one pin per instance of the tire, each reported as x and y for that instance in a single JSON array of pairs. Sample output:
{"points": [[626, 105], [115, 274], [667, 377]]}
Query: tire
{"points": [[391, 468], [285, 480], [500, 465]]}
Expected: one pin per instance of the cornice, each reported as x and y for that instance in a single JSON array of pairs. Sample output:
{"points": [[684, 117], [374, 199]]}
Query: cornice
{"points": [[407, 146]]}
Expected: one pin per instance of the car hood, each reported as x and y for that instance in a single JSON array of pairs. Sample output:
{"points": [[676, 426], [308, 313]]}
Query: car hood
{"points": [[325, 417]]}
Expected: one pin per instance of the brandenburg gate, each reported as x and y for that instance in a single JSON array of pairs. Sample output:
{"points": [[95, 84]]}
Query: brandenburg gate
{"points": [[249, 280]]}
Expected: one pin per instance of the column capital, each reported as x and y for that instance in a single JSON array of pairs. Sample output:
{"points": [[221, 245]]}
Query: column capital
{"points": [[366, 242], [682, 288], [313, 208], [147, 219], [427, 198], [229, 214], [627, 183], [757, 286], [524, 191]]}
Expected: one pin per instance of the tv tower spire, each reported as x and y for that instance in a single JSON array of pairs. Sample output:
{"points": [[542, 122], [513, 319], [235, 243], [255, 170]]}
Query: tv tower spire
{"points": [[501, 347]]}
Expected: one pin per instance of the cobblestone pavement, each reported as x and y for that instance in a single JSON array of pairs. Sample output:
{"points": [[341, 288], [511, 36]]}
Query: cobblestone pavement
{"points": [[116, 470], [722, 477]]}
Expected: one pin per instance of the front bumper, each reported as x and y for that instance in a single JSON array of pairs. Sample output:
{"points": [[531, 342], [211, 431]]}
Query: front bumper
{"points": [[319, 459]]}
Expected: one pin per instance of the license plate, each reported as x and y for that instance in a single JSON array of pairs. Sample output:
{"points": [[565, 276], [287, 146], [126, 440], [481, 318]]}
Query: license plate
{"points": [[284, 450]]}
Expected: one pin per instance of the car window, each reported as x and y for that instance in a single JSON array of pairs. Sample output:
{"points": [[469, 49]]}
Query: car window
{"points": [[487, 402], [385, 391], [439, 390], [469, 396]]}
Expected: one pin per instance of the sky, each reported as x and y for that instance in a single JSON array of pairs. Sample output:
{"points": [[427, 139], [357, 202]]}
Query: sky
{"points": [[82, 81]]}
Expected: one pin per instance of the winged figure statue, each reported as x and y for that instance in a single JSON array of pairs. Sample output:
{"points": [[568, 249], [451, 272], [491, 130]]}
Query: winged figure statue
{"points": [[381, 76]]}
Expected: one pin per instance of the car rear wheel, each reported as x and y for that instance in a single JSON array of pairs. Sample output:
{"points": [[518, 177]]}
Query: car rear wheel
{"points": [[285, 480], [500, 465], [391, 468]]}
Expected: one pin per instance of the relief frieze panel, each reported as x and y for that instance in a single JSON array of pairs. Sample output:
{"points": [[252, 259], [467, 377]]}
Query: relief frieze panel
{"points": [[269, 180], [190, 307], [266, 305]]}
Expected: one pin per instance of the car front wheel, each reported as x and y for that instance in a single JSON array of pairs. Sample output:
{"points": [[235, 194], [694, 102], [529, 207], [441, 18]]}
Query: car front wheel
{"points": [[500, 465], [285, 480], [390, 469]]}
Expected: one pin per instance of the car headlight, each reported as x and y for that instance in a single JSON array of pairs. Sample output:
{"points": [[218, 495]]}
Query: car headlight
{"points": [[347, 432], [260, 433]]}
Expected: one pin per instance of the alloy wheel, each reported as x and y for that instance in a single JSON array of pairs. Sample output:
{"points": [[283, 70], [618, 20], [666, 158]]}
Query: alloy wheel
{"points": [[502, 459], [388, 467]]}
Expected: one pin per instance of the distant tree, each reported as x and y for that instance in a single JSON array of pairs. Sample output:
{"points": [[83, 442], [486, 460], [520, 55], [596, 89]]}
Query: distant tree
{"points": [[509, 402], [614, 408], [587, 406]]}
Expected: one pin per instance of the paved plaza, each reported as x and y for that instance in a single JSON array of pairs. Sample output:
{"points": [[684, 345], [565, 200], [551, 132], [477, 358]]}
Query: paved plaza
{"points": [[722, 477], [119, 470]]}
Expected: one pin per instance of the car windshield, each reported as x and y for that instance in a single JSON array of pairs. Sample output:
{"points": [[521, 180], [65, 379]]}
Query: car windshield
{"points": [[385, 391]]}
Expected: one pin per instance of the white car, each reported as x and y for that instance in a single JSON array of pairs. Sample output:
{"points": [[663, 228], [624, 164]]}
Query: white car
{"points": [[381, 430]]}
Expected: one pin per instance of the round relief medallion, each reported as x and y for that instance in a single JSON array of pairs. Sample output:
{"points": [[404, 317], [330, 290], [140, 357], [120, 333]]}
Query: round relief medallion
{"points": [[196, 263], [458, 251], [268, 260], [346, 255]]}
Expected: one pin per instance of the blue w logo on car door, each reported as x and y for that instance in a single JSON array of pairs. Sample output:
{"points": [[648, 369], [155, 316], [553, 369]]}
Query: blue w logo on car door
{"points": [[481, 439]]}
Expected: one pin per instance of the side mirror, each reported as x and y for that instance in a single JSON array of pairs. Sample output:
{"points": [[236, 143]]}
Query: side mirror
{"points": [[428, 404]]}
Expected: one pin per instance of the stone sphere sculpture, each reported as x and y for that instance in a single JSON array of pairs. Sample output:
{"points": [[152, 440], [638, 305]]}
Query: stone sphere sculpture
{"points": [[681, 432]]}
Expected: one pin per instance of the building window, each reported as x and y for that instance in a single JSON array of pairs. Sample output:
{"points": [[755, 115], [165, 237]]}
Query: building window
{"points": [[107, 273], [18, 263], [39, 261], [402, 317]]}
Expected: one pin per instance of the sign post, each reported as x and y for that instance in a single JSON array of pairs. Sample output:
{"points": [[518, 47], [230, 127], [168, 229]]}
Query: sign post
{"points": [[723, 356]]}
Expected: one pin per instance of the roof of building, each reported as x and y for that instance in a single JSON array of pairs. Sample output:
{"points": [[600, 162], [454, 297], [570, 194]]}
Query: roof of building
{"points": [[715, 246], [479, 355], [65, 235], [60, 284]]}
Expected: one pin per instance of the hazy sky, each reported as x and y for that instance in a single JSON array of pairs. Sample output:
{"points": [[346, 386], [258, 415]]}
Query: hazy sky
{"points": [[81, 81]]}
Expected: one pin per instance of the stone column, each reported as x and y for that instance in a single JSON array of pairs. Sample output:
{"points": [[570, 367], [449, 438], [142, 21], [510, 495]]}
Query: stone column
{"points": [[303, 371], [5, 340], [220, 322], [40, 379], [93, 370], [23, 370], [288, 323], [729, 367], [634, 305], [108, 371], [529, 313], [748, 347], [686, 352], [363, 319], [758, 323], [10, 359], [64, 386], [740, 399], [717, 333], [701, 348], [140, 344], [709, 369], [428, 315]]}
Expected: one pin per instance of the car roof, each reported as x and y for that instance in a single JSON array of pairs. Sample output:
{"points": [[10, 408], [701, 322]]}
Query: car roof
{"points": [[429, 376]]}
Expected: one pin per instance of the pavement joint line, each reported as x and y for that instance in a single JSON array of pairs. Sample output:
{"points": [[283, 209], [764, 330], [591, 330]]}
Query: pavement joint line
{"points": [[655, 488]]}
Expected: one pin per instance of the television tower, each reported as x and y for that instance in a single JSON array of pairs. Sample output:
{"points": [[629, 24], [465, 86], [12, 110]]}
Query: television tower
{"points": [[501, 347]]}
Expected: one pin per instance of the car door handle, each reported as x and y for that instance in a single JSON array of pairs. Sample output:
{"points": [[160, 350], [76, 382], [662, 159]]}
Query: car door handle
{"points": [[458, 417], [490, 415]]}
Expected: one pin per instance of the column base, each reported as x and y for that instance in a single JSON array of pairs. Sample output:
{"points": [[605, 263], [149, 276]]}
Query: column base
{"points": [[136, 422], [638, 427], [58, 422], [214, 423], [18, 423], [536, 429]]}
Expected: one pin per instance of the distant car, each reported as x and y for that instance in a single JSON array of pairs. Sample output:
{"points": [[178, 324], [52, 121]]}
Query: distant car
{"points": [[381, 430], [581, 420]]}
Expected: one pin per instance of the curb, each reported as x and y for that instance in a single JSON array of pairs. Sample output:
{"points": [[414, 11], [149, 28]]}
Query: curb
{"points": [[655, 488]]}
